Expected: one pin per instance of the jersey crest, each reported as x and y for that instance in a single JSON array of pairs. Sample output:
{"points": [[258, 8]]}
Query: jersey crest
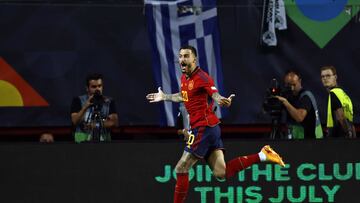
{"points": [[191, 85]]}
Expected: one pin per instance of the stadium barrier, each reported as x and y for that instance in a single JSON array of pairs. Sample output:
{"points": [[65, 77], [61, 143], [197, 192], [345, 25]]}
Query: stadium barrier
{"points": [[142, 171]]}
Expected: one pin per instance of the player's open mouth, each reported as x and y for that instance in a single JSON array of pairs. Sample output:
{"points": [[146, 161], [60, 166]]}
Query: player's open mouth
{"points": [[183, 66]]}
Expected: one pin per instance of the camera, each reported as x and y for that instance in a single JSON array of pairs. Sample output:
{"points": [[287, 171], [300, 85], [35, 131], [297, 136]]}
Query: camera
{"points": [[97, 100], [271, 104]]}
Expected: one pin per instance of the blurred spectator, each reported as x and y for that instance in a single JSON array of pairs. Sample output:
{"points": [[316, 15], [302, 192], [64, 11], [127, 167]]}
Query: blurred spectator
{"points": [[46, 138]]}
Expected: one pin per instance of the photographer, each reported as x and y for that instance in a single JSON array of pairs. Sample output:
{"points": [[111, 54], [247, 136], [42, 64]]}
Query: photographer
{"points": [[93, 114], [303, 117]]}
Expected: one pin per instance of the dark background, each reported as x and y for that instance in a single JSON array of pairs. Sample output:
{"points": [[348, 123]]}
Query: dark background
{"points": [[53, 45]]}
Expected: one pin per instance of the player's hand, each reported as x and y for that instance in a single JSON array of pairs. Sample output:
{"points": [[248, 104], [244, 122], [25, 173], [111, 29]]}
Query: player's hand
{"points": [[156, 97], [226, 101], [185, 132]]}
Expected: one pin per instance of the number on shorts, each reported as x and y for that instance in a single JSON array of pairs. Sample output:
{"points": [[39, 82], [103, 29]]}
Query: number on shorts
{"points": [[190, 140]]}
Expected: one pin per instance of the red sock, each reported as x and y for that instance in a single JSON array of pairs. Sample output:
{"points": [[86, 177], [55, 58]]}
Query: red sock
{"points": [[240, 163], [181, 188]]}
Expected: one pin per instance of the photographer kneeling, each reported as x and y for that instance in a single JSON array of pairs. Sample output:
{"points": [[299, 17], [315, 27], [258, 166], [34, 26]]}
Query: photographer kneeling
{"points": [[302, 112], [93, 114]]}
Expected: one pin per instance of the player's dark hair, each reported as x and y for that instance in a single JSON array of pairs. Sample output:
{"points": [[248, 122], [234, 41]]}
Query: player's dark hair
{"points": [[193, 50]]}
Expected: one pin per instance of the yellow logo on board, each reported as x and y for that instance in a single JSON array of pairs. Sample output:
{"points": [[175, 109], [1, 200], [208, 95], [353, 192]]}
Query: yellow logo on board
{"points": [[15, 91]]}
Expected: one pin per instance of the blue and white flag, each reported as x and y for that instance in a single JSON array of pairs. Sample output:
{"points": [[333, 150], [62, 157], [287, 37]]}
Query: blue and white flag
{"points": [[172, 24]]}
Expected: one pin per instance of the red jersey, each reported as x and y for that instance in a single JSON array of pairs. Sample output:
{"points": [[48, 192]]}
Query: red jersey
{"points": [[196, 92]]}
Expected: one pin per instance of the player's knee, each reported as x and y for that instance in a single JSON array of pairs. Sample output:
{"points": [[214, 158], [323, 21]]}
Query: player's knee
{"points": [[181, 167], [220, 174]]}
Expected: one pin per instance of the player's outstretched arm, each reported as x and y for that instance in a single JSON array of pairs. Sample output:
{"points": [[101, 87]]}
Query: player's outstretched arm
{"points": [[222, 101], [161, 96]]}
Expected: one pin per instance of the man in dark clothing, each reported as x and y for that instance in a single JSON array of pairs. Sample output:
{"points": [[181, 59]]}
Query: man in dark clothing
{"points": [[93, 114], [340, 109], [301, 107]]}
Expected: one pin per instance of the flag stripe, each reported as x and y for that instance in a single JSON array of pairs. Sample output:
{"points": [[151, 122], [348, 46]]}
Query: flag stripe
{"points": [[156, 62], [202, 55], [162, 66], [170, 85], [172, 113]]}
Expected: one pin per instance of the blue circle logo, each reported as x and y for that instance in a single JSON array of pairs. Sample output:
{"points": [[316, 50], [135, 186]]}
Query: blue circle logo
{"points": [[321, 10]]}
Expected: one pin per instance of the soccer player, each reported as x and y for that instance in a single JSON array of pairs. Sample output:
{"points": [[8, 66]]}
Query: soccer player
{"points": [[204, 141]]}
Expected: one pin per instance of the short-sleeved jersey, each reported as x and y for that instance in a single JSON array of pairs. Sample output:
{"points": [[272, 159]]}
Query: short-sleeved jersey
{"points": [[196, 92]]}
